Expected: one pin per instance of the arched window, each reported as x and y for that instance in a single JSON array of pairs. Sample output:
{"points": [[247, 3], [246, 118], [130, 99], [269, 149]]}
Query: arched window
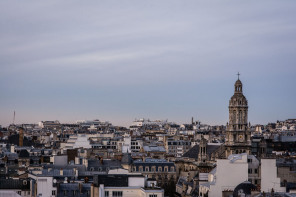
{"points": [[153, 169], [166, 168]]}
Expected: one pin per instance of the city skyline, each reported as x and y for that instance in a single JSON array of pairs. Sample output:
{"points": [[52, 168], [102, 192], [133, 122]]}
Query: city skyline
{"points": [[159, 60]]}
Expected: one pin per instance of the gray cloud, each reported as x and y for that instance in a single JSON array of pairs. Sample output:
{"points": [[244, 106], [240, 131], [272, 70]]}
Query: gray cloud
{"points": [[145, 58]]}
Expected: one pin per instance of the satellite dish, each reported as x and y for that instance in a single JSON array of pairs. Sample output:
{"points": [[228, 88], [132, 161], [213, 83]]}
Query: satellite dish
{"points": [[54, 181]]}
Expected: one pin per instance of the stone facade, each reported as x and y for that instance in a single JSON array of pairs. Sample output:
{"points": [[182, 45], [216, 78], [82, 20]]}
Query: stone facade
{"points": [[238, 135]]}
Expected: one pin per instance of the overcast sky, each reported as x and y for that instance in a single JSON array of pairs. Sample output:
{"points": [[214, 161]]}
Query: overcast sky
{"points": [[121, 60]]}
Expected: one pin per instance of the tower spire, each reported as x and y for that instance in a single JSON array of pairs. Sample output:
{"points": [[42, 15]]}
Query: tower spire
{"points": [[238, 75]]}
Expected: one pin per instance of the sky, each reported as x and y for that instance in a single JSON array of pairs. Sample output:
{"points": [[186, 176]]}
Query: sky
{"points": [[170, 59]]}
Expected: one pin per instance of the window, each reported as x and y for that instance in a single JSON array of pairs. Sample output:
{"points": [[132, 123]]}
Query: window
{"points": [[250, 170], [256, 171], [106, 193], [152, 195], [53, 192], [153, 169], [249, 160], [19, 192], [147, 169], [159, 169], [117, 193], [165, 168], [256, 181]]}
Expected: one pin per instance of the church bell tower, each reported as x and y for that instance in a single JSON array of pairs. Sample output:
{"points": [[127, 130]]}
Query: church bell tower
{"points": [[238, 135]]}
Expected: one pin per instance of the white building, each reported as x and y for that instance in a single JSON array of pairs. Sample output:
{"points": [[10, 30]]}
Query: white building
{"points": [[125, 186], [229, 173], [78, 141], [147, 122], [237, 169], [269, 177], [126, 146], [44, 185]]}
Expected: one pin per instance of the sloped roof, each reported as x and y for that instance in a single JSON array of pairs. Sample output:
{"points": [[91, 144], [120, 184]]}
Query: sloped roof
{"points": [[193, 152], [126, 158], [24, 154]]}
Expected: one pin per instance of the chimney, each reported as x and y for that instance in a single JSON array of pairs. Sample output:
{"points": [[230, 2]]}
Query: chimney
{"points": [[76, 172], [195, 182], [77, 160], [92, 190], [85, 162], [12, 149], [80, 187], [21, 137]]}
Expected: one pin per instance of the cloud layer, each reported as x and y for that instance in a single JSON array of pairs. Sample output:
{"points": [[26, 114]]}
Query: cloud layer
{"points": [[118, 61]]}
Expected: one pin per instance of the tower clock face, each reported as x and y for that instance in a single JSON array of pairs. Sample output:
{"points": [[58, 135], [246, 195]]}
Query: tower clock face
{"points": [[241, 138]]}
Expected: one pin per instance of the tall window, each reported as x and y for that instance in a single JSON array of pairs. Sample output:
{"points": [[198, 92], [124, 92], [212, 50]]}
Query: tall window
{"points": [[250, 170], [117, 193], [106, 193], [153, 168]]}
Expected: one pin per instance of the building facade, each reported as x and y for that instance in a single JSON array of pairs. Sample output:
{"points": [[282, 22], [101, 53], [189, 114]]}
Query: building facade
{"points": [[238, 134]]}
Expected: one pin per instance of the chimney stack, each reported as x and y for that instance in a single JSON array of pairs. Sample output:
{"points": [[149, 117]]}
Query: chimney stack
{"points": [[21, 136]]}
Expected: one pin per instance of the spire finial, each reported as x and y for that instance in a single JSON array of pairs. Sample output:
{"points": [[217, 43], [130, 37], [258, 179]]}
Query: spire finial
{"points": [[238, 75]]}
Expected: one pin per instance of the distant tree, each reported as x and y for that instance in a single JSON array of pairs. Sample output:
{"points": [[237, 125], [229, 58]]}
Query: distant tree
{"points": [[170, 188]]}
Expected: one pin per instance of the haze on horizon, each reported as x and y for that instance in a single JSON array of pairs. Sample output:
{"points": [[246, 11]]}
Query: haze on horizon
{"points": [[121, 60]]}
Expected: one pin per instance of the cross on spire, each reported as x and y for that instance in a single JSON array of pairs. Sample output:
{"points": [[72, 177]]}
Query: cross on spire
{"points": [[238, 75]]}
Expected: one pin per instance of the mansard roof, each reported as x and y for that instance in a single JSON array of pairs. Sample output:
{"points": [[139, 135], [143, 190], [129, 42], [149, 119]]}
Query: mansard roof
{"points": [[193, 152]]}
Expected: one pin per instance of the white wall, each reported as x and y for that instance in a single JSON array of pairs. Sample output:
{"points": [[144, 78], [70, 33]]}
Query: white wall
{"points": [[230, 172], [44, 186], [136, 181], [118, 171], [126, 147], [269, 178]]}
